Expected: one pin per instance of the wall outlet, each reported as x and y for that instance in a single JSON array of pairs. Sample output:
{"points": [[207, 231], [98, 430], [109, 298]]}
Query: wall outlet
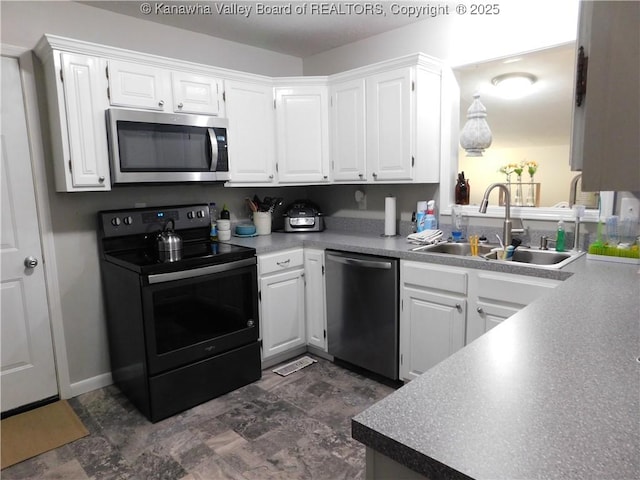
{"points": [[630, 208]]}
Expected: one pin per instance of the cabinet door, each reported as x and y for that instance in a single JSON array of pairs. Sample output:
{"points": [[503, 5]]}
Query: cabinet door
{"points": [[134, 85], [196, 93], [302, 129], [491, 314], [390, 125], [347, 131], [606, 125], [85, 102], [432, 327], [252, 150], [315, 298], [282, 312]]}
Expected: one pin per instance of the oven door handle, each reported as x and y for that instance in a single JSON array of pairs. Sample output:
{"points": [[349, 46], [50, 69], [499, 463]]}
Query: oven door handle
{"points": [[198, 272]]}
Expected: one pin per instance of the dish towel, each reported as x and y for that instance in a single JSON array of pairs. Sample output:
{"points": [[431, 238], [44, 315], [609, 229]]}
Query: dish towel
{"points": [[425, 237]]}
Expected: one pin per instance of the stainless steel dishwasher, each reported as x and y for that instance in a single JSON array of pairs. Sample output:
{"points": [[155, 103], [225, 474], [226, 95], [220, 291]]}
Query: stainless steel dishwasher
{"points": [[362, 310]]}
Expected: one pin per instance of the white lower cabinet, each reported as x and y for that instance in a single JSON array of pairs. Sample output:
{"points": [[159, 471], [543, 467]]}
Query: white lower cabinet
{"points": [[494, 297], [315, 298], [281, 295], [432, 315]]}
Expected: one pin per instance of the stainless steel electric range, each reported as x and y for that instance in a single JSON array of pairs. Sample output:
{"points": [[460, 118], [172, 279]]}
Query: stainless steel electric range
{"points": [[181, 332]]}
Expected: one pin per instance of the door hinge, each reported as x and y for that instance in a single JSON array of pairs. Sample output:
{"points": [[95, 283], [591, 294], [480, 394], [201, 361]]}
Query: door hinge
{"points": [[322, 269], [413, 161], [401, 305], [274, 103], [276, 167], [70, 167], [401, 359], [260, 343], [108, 93], [324, 333], [106, 71], [61, 76], [259, 296], [413, 86], [331, 101], [224, 96]]}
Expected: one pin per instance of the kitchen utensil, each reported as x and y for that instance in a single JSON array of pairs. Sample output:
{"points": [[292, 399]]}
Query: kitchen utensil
{"points": [[262, 221], [169, 243]]}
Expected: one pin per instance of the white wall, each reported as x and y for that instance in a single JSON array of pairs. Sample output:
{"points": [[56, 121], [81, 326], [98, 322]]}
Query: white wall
{"points": [[520, 26], [24, 22]]}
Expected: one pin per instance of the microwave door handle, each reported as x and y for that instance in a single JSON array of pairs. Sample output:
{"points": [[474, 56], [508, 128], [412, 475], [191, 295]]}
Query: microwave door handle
{"points": [[214, 149]]}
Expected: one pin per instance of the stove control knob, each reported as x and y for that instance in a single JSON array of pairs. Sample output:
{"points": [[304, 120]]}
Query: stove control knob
{"points": [[127, 220], [190, 215], [200, 213], [115, 221], [250, 323]]}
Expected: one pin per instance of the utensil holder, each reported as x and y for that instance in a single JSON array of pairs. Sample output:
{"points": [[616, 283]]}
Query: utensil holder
{"points": [[262, 221]]}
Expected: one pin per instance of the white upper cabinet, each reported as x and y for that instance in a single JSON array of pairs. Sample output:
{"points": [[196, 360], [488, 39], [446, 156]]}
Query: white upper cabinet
{"points": [[348, 161], [76, 92], [605, 144], [389, 122], [142, 86], [302, 133], [136, 85], [251, 133]]}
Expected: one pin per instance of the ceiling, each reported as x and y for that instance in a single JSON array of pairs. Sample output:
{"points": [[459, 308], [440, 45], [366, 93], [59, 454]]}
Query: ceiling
{"points": [[289, 33], [541, 118]]}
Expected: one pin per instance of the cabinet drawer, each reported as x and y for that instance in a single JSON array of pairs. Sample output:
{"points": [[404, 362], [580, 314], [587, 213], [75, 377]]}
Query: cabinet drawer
{"points": [[510, 288], [434, 276], [279, 261]]}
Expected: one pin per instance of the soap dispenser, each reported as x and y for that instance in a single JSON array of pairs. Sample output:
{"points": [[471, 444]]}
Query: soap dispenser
{"points": [[560, 237]]}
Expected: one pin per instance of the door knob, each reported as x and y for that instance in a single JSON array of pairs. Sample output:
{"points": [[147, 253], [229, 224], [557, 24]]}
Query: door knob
{"points": [[31, 262], [480, 310]]}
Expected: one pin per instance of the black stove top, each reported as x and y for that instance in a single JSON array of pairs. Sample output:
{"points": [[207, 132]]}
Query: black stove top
{"points": [[194, 255], [128, 239]]}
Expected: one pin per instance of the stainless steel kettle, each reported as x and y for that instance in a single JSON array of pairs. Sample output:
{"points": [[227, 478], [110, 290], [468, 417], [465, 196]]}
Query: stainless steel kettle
{"points": [[169, 243]]}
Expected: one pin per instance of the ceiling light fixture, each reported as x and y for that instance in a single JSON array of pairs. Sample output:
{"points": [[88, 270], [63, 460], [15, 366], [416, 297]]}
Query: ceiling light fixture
{"points": [[514, 85]]}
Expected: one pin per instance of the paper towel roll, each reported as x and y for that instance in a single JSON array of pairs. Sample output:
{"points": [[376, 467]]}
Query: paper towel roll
{"points": [[390, 216]]}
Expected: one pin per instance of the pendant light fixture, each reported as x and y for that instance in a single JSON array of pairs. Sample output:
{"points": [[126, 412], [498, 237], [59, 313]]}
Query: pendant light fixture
{"points": [[475, 136]]}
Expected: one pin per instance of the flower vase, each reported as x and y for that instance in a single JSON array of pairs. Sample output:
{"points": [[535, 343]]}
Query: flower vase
{"points": [[517, 201], [531, 195]]}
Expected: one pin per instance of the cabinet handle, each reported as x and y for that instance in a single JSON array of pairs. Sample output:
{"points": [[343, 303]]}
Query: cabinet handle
{"points": [[458, 307], [581, 76], [480, 310], [180, 105], [161, 103], [283, 263], [271, 177], [101, 179], [325, 176]]}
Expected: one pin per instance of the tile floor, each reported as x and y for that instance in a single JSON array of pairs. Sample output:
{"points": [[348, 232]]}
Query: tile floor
{"points": [[294, 427]]}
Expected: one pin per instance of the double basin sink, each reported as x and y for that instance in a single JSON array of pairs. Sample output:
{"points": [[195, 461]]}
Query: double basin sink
{"points": [[531, 256]]}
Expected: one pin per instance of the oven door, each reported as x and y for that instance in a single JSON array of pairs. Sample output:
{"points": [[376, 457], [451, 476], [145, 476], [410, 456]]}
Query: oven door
{"points": [[196, 314]]}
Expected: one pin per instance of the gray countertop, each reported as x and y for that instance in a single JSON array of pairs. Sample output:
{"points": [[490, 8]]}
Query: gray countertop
{"points": [[551, 393], [396, 247]]}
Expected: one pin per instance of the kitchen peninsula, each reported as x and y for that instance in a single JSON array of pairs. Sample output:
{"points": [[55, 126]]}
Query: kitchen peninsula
{"points": [[554, 392], [551, 393]]}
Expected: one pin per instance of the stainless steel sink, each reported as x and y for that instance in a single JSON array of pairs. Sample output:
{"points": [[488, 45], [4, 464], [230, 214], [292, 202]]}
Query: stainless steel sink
{"points": [[535, 257], [529, 256], [463, 249]]}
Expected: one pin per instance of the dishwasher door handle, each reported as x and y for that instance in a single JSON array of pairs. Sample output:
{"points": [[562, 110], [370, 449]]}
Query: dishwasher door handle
{"points": [[383, 265]]}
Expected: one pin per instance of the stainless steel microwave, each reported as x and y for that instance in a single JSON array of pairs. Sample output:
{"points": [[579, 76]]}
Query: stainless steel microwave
{"points": [[155, 147]]}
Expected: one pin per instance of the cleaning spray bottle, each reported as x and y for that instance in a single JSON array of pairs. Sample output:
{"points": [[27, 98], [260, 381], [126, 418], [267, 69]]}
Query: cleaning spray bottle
{"points": [[431, 222]]}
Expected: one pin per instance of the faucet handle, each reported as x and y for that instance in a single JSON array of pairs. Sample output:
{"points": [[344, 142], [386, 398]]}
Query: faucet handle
{"points": [[543, 242]]}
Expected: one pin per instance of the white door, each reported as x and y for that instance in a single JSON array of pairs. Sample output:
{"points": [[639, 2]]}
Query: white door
{"points": [[252, 145], [28, 370], [196, 93], [347, 131], [315, 298], [302, 132]]}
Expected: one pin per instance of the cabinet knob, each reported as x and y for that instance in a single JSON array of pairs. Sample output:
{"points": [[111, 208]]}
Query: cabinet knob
{"points": [[480, 310], [161, 103], [325, 176], [375, 175], [101, 179], [458, 307], [361, 175], [271, 177], [180, 105]]}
